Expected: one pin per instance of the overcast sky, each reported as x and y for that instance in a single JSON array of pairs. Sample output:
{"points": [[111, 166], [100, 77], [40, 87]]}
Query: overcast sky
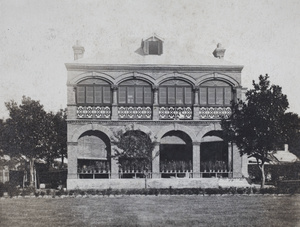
{"points": [[36, 39]]}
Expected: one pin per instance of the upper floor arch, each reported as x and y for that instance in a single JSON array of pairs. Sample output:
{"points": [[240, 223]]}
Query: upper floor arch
{"points": [[218, 77], [91, 75], [176, 76], [135, 76]]}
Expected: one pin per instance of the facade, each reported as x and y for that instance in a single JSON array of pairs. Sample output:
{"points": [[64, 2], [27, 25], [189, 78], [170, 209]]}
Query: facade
{"points": [[176, 96]]}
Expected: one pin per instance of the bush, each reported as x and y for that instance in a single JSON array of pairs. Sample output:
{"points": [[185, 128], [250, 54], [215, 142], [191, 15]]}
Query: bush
{"points": [[43, 193], [2, 189]]}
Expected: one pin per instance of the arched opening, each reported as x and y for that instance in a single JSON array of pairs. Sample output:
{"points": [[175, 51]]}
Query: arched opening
{"points": [[134, 154], [93, 155], [214, 155], [176, 152]]}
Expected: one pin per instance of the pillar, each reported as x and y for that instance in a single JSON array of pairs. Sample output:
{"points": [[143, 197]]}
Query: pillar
{"points": [[72, 160], [196, 104], [237, 162], [114, 168], [155, 161], [155, 110], [114, 108], [196, 160]]}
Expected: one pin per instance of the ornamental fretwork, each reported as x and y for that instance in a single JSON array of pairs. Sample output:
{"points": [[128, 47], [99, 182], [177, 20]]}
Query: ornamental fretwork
{"points": [[135, 112], [214, 112], [171, 113], [101, 112]]}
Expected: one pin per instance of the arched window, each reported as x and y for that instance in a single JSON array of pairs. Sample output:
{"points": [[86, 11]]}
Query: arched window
{"points": [[175, 92], [93, 92], [135, 92], [215, 93]]}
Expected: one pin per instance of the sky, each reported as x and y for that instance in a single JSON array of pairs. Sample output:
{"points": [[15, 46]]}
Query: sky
{"points": [[36, 39]]}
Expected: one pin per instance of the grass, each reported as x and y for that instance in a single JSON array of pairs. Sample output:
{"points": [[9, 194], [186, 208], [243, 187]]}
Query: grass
{"points": [[177, 210]]}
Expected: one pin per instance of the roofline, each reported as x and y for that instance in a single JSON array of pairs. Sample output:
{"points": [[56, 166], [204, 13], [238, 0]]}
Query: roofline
{"points": [[85, 66]]}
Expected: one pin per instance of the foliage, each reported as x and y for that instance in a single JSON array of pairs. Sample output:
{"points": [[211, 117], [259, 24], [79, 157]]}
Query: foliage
{"points": [[133, 148], [260, 125], [33, 133]]}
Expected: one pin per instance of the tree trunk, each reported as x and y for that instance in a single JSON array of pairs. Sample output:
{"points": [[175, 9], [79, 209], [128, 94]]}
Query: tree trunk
{"points": [[31, 172], [263, 177], [62, 161]]}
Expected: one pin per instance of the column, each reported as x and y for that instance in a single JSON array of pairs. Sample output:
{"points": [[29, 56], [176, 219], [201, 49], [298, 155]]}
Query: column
{"points": [[114, 108], [155, 110], [72, 160], [230, 160], [196, 160], [196, 104], [114, 168], [237, 162], [155, 161]]}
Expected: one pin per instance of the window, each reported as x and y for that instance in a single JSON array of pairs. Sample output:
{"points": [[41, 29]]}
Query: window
{"points": [[93, 91], [135, 92], [152, 46], [215, 93], [175, 92]]}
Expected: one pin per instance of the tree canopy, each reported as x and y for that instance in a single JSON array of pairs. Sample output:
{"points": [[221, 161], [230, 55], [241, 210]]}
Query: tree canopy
{"points": [[33, 133], [135, 147], [260, 125]]}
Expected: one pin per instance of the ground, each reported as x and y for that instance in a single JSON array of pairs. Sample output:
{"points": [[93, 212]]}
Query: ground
{"points": [[226, 210]]}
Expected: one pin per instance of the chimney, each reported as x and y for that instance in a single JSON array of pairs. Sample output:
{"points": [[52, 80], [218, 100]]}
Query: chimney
{"points": [[78, 50], [286, 147], [219, 51]]}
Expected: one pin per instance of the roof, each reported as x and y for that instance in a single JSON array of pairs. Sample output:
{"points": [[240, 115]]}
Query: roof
{"points": [[131, 53], [277, 157]]}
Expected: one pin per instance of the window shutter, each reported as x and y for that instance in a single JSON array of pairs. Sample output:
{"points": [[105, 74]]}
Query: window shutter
{"points": [[219, 96], [146, 47], [147, 95], [179, 95], [139, 95], [160, 47], [98, 94], [106, 95], [203, 95], [188, 95], [122, 95], [162, 95], [171, 95], [228, 95], [80, 94], [89, 95], [211, 96]]}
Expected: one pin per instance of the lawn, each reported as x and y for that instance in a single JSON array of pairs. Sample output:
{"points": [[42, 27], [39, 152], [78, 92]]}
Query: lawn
{"points": [[226, 210]]}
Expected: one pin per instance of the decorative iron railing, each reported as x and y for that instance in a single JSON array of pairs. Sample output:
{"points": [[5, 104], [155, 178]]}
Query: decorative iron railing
{"points": [[171, 113], [214, 112], [135, 112], [102, 112]]}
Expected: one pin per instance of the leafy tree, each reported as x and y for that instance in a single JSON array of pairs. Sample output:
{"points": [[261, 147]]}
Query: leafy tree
{"points": [[26, 131], [57, 135], [260, 125], [134, 148]]}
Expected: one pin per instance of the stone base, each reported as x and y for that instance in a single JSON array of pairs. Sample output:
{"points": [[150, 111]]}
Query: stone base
{"points": [[155, 183]]}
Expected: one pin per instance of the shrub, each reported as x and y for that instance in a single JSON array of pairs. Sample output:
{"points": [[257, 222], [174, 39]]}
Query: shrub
{"points": [[48, 191], [211, 191], [2, 189], [43, 193], [240, 190], [36, 193]]}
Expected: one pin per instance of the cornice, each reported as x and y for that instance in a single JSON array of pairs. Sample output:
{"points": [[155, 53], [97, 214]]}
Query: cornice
{"points": [[177, 68]]}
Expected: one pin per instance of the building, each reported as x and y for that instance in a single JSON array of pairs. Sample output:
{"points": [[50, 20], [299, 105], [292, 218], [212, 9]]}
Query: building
{"points": [[177, 96]]}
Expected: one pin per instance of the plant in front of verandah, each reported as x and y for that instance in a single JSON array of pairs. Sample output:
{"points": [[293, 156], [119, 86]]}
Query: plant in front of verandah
{"points": [[260, 125]]}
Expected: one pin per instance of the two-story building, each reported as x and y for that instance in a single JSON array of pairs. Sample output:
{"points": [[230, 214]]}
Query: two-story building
{"points": [[176, 96]]}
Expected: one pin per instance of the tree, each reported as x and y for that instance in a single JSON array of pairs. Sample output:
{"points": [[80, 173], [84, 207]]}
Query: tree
{"points": [[25, 132], [57, 134], [260, 125], [134, 148]]}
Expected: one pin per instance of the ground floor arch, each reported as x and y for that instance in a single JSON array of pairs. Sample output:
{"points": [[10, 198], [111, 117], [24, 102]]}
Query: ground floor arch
{"points": [[176, 154], [93, 155], [214, 155]]}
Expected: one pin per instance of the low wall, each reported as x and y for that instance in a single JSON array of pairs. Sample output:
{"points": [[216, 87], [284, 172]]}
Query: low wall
{"points": [[155, 183]]}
